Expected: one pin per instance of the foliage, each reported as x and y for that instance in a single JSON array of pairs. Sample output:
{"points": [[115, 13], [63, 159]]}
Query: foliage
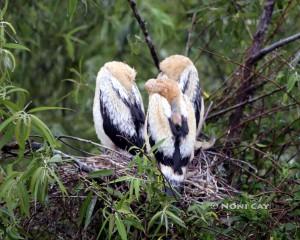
{"points": [[50, 52]]}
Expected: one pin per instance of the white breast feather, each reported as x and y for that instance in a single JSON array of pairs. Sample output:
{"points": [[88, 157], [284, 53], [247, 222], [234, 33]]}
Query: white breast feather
{"points": [[159, 128]]}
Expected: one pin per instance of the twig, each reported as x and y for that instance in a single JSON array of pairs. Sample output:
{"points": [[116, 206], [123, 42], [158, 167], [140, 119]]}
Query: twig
{"points": [[144, 29], [274, 46], [296, 59], [76, 149], [262, 114], [250, 88], [281, 19], [189, 38], [81, 165], [248, 101], [90, 142]]}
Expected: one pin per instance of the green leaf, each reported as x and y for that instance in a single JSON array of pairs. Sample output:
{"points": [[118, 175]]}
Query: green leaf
{"points": [[23, 198], [9, 59], [7, 137], [155, 147], [261, 145], [22, 131], [60, 184], [136, 185], [89, 212], [175, 219], [102, 228], [120, 227], [72, 5], [154, 218], [44, 130], [101, 173], [9, 26], [111, 225], [39, 109], [292, 81], [42, 188], [13, 234], [16, 89], [16, 46], [162, 17], [35, 178], [84, 207], [123, 178], [10, 105], [6, 122], [70, 48], [3, 10]]}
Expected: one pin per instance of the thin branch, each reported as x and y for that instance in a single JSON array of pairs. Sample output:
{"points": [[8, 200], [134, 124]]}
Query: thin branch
{"points": [[189, 38], [281, 19], [145, 31], [89, 142], [248, 101], [295, 59], [82, 166], [253, 73], [274, 46], [262, 114]]}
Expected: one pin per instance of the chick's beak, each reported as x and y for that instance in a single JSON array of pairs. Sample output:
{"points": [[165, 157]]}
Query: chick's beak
{"points": [[176, 118]]}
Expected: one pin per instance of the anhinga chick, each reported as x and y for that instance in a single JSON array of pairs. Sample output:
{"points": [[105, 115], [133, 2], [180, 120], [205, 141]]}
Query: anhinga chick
{"points": [[171, 121], [182, 70], [118, 109]]}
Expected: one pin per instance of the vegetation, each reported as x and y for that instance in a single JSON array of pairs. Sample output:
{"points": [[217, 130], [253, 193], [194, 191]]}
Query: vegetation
{"points": [[50, 53]]}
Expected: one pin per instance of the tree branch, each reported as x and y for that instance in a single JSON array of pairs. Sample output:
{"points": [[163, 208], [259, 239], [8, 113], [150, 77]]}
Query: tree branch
{"points": [[262, 28], [250, 61], [274, 46], [248, 101], [189, 38], [145, 31]]}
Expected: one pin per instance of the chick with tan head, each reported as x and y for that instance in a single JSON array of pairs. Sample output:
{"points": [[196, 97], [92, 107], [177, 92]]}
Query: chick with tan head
{"points": [[118, 109], [182, 70], [171, 120]]}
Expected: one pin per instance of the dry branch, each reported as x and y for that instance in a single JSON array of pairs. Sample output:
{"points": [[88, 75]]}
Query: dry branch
{"points": [[274, 46], [247, 77], [190, 32], [145, 31], [248, 101]]}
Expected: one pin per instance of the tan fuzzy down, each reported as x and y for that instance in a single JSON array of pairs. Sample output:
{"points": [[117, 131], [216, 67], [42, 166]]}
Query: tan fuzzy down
{"points": [[168, 89], [174, 65], [122, 72], [151, 86]]}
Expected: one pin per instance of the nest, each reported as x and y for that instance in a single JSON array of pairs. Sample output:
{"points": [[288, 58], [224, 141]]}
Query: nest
{"points": [[205, 180]]}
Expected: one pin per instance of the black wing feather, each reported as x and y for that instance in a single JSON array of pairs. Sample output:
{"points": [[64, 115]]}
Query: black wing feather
{"points": [[120, 139]]}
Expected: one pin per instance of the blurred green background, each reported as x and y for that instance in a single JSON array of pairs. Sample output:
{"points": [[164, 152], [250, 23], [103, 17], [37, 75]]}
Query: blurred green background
{"points": [[70, 40]]}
